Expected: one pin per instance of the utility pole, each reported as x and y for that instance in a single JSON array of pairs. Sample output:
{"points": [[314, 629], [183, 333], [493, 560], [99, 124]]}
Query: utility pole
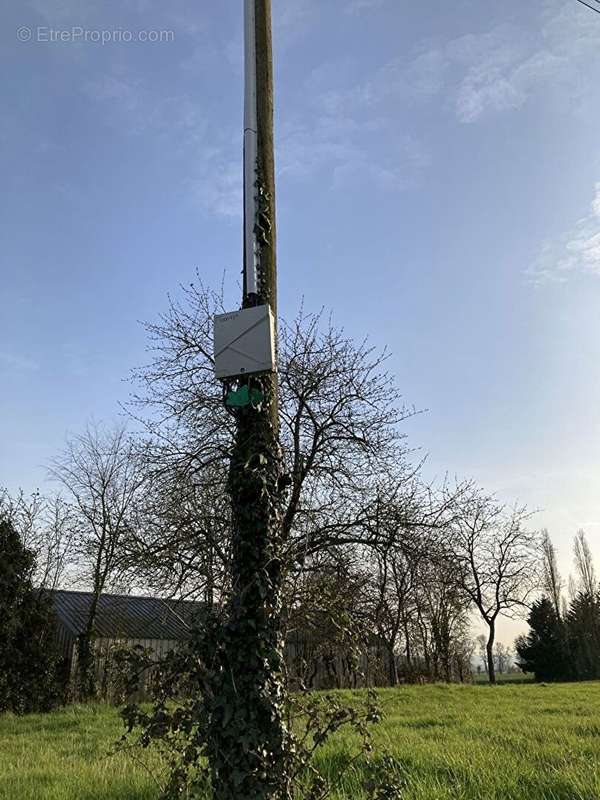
{"points": [[250, 735], [260, 264]]}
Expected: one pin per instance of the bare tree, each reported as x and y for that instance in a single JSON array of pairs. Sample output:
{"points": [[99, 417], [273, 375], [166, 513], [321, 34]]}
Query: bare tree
{"points": [[553, 583], [497, 559], [483, 651], [340, 438], [584, 565], [502, 657], [349, 482], [443, 612], [45, 527], [326, 622], [180, 544], [387, 601], [464, 651], [345, 457], [102, 478]]}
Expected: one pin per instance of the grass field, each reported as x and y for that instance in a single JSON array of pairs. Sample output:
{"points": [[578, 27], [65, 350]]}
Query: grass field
{"points": [[511, 742]]}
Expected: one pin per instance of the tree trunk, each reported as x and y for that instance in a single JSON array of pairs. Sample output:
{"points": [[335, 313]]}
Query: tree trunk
{"points": [[209, 592], [447, 668], [489, 648], [393, 668], [408, 649], [86, 673], [249, 736]]}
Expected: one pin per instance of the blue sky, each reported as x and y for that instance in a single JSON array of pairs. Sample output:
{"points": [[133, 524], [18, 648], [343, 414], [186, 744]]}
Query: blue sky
{"points": [[438, 188]]}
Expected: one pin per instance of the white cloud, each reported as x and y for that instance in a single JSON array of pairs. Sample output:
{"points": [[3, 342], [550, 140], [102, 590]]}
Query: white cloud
{"points": [[216, 182], [136, 107], [394, 172], [495, 70], [420, 79], [596, 202], [471, 71], [577, 252], [346, 149], [505, 68], [489, 90], [348, 135], [213, 163]]}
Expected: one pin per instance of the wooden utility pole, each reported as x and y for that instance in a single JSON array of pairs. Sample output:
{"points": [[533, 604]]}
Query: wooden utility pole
{"points": [[250, 737], [259, 121]]}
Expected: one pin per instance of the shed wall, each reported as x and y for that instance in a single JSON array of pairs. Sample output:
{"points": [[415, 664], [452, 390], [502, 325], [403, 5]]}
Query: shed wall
{"points": [[104, 671]]}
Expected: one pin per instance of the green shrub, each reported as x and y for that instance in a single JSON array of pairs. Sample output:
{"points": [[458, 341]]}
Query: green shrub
{"points": [[28, 658]]}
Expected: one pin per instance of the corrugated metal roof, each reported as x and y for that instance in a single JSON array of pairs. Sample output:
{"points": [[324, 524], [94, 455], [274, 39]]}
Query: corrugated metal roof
{"points": [[126, 616]]}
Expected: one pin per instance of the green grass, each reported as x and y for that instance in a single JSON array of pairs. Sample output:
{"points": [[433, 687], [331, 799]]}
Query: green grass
{"points": [[511, 742], [68, 755], [509, 677]]}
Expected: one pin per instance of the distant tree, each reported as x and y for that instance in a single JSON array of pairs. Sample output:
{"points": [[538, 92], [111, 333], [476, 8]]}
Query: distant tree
{"points": [[483, 652], [326, 623], [464, 650], [28, 659], [542, 651], [584, 566], [583, 616], [389, 593], [497, 560], [583, 625], [502, 657], [553, 583], [565, 645], [102, 477], [443, 616]]}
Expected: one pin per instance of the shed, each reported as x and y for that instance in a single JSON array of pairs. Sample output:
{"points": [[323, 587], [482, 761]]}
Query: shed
{"points": [[126, 620], [313, 657]]}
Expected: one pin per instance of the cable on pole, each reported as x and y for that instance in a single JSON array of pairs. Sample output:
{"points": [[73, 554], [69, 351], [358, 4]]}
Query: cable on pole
{"points": [[251, 248], [593, 8]]}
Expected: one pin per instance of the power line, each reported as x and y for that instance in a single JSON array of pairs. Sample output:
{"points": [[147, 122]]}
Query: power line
{"points": [[583, 3]]}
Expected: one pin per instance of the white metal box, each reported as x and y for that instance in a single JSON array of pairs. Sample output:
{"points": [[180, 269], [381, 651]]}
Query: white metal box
{"points": [[244, 342]]}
